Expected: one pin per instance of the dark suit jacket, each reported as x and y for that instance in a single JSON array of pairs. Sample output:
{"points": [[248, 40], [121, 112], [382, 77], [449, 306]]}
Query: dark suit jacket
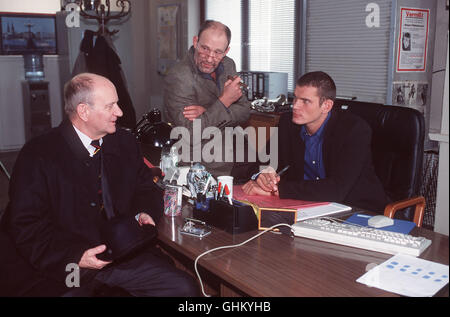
{"points": [[53, 214], [350, 175], [185, 86]]}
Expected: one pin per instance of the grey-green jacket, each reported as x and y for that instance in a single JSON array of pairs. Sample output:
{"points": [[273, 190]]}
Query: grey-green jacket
{"points": [[185, 86]]}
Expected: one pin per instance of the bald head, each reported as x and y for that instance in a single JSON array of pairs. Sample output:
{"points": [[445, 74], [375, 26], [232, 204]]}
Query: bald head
{"points": [[81, 89], [217, 26], [91, 103]]}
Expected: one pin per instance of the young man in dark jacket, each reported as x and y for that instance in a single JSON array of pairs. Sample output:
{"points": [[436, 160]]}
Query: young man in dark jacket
{"points": [[328, 152]]}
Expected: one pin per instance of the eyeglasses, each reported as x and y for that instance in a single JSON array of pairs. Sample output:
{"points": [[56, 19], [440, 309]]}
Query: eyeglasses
{"points": [[203, 49]]}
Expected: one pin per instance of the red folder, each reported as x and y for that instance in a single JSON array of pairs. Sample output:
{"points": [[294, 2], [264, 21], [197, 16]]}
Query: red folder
{"points": [[273, 201]]}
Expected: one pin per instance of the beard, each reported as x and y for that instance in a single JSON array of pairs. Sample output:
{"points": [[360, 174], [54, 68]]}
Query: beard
{"points": [[204, 65]]}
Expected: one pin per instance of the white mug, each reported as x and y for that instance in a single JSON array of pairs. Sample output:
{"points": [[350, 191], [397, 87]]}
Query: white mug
{"points": [[228, 181]]}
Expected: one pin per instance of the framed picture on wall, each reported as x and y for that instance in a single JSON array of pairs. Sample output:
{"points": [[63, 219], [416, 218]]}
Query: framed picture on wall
{"points": [[168, 33], [25, 33]]}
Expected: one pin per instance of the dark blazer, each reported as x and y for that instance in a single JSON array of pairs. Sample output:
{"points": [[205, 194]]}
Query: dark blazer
{"points": [[53, 215], [185, 86], [350, 175]]}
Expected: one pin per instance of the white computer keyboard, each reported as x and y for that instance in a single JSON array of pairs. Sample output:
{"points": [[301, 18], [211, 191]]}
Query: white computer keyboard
{"points": [[360, 237]]}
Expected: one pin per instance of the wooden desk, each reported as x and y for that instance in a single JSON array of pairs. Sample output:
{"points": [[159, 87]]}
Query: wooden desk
{"points": [[275, 265]]}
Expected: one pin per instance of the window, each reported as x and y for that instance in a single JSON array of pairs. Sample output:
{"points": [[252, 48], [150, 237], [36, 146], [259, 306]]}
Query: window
{"points": [[272, 37], [269, 25], [229, 13]]}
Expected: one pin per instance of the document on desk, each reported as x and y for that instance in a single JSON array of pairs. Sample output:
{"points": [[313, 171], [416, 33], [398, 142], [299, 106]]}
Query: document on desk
{"points": [[321, 210], [305, 209], [407, 275]]}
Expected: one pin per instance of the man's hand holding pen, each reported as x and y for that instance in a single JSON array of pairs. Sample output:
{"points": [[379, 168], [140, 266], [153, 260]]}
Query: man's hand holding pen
{"points": [[241, 84], [231, 91], [266, 183]]}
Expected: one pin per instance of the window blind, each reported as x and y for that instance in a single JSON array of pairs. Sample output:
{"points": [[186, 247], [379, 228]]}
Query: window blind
{"points": [[339, 42], [272, 30]]}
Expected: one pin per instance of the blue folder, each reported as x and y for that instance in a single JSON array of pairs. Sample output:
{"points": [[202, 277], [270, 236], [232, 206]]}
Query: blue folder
{"points": [[401, 226]]}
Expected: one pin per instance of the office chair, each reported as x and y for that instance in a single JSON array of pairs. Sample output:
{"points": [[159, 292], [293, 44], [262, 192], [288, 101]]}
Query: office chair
{"points": [[398, 135]]}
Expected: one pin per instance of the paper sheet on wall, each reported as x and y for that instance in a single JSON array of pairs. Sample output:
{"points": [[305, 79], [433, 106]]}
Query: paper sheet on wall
{"points": [[413, 38], [412, 94], [407, 275]]}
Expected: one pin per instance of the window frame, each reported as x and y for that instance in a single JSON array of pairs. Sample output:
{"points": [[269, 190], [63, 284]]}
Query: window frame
{"points": [[245, 19]]}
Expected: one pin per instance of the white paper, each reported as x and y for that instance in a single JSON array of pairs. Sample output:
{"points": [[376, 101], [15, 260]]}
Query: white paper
{"points": [[322, 210], [413, 37], [407, 275]]}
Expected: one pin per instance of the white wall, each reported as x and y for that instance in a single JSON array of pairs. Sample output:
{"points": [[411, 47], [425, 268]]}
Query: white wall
{"points": [[12, 134], [30, 6], [36, 6], [442, 199], [439, 63], [193, 19]]}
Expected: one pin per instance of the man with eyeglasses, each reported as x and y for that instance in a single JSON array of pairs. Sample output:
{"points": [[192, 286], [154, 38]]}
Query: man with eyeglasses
{"points": [[199, 87]]}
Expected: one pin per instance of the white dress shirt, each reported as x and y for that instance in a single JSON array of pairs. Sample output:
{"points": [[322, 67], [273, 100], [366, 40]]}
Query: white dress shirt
{"points": [[87, 141]]}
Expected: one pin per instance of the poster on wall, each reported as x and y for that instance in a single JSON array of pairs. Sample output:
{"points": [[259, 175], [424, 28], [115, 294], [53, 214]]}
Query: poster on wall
{"points": [[413, 40], [412, 94], [168, 36]]}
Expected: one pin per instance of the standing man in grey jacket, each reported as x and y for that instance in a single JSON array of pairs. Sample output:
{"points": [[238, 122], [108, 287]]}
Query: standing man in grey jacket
{"points": [[200, 94]]}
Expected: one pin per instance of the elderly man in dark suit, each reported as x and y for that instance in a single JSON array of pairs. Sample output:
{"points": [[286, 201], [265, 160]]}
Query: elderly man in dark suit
{"points": [[56, 212], [328, 152], [199, 88]]}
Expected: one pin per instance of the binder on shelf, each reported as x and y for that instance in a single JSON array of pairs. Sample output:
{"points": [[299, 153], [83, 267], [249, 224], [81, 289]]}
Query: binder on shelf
{"points": [[265, 84]]}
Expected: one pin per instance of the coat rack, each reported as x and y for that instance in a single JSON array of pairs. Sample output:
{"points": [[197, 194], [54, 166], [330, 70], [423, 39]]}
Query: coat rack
{"points": [[102, 12]]}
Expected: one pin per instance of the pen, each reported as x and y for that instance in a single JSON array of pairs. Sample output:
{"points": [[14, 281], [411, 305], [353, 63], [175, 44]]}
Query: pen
{"points": [[221, 192], [195, 220], [283, 170], [227, 192], [218, 191], [240, 84], [279, 174], [207, 184]]}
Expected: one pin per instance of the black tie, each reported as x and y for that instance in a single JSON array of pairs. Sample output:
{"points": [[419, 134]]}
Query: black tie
{"points": [[105, 196]]}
